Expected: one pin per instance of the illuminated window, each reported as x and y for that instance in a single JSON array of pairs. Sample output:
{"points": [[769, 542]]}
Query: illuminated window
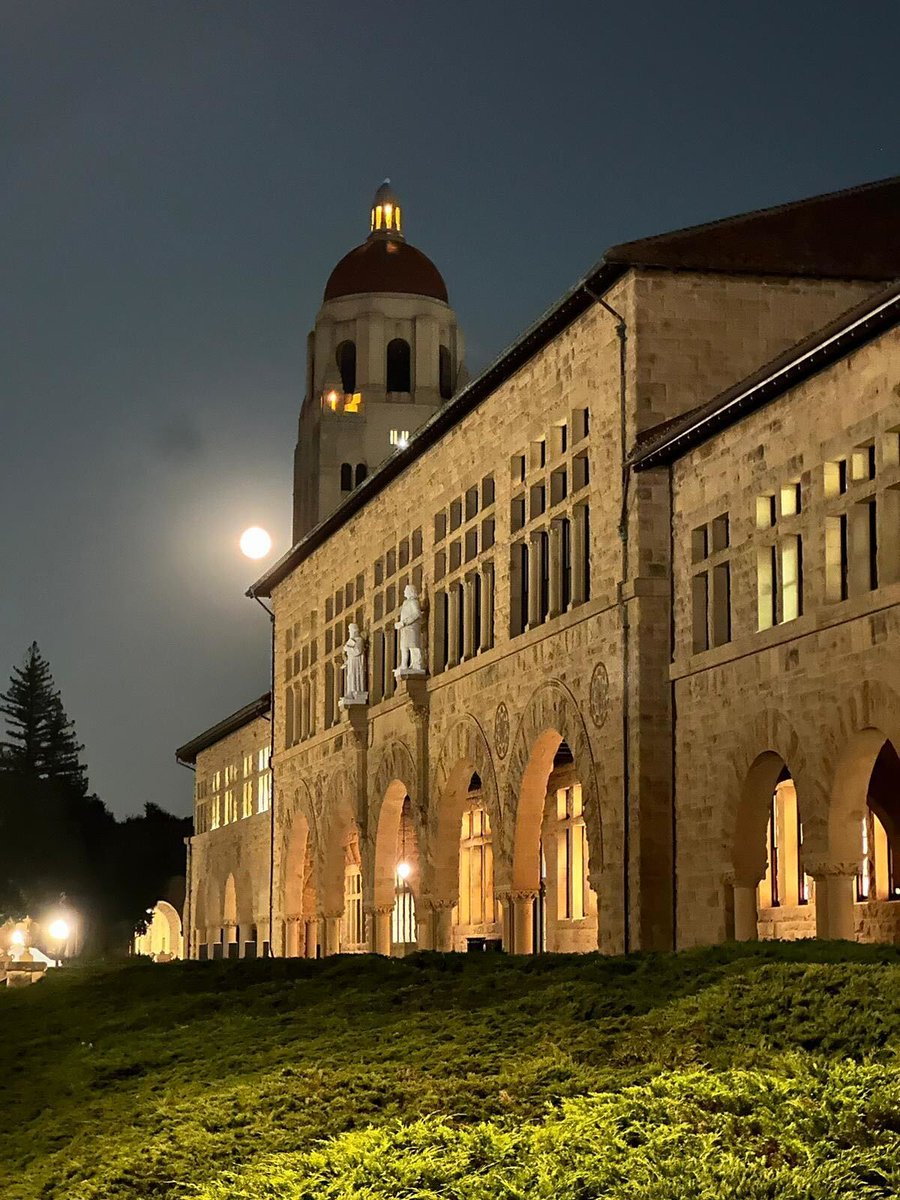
{"points": [[476, 869], [249, 774], [353, 933], [230, 798], [791, 578], [403, 917], [264, 788], [399, 438], [572, 855], [352, 402]]}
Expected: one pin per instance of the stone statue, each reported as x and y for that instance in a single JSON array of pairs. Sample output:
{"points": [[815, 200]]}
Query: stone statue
{"points": [[409, 627], [354, 668]]}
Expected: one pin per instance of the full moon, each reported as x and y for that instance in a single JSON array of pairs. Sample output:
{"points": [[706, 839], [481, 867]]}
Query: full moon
{"points": [[255, 542]]}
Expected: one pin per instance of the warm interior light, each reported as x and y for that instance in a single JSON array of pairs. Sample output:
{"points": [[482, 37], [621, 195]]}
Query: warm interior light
{"points": [[352, 402], [404, 870], [331, 399], [59, 930], [17, 937], [255, 542]]}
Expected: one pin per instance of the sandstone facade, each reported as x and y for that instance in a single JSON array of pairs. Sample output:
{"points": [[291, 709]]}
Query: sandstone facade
{"points": [[573, 771]]}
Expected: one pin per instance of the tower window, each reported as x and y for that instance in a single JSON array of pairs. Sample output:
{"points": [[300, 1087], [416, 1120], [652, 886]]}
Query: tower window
{"points": [[398, 366], [445, 378], [345, 356], [361, 472], [346, 477]]}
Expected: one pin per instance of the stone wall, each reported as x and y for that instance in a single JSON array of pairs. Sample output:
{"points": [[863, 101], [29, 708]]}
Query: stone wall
{"points": [[817, 692]]}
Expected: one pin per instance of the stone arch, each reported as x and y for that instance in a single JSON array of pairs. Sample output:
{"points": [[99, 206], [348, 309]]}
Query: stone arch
{"points": [[465, 750], [768, 744], [169, 913], [395, 778], [297, 853], [867, 718], [551, 716], [339, 820]]}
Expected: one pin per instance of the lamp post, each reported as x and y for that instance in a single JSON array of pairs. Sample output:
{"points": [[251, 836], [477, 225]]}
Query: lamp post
{"points": [[59, 932]]}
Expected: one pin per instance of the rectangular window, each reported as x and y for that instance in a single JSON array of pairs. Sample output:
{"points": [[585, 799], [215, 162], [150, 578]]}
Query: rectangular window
{"points": [[558, 486], [766, 570], [247, 798], [791, 578], [765, 512], [518, 588], [836, 586], [517, 513], [720, 533], [487, 491], [580, 424], [790, 500], [471, 503], [699, 544], [581, 474], [353, 931], [721, 581], [543, 548], [700, 612], [565, 541]]}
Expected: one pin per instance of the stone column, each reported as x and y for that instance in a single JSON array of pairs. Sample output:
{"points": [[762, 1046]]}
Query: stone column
{"points": [[746, 915], [424, 924], [443, 924], [487, 606], [310, 937], [331, 934], [382, 923], [835, 895], [523, 922]]}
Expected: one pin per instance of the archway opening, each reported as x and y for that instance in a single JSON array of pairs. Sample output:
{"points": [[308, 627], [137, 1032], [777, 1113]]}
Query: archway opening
{"points": [[398, 366], [300, 893], [345, 357], [342, 929], [230, 943], [553, 904], [476, 920], [398, 874]]}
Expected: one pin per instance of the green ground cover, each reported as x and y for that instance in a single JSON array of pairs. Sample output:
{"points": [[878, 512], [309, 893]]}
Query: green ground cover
{"points": [[755, 1071]]}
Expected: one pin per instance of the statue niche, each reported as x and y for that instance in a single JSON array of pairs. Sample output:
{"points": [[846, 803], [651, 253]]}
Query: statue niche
{"points": [[409, 626], [354, 669]]}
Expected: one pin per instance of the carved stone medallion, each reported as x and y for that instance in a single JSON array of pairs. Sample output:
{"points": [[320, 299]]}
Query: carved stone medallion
{"points": [[598, 696], [501, 730]]}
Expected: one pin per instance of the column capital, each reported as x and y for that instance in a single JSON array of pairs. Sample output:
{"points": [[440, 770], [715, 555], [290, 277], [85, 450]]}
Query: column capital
{"points": [[521, 896], [825, 870]]}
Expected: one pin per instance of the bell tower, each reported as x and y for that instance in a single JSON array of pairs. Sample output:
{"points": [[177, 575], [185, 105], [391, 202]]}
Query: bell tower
{"points": [[384, 355]]}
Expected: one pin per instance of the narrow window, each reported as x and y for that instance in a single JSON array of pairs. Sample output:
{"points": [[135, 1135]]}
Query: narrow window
{"points": [[565, 541], [791, 578], [361, 472], [765, 587], [346, 477], [345, 356], [398, 366], [700, 612], [544, 576], [721, 585]]}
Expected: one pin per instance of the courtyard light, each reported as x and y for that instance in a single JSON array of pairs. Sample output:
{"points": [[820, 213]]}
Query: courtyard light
{"points": [[17, 937], [404, 870]]}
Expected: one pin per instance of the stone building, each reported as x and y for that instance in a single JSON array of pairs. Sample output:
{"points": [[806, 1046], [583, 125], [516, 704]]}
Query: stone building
{"points": [[656, 548]]}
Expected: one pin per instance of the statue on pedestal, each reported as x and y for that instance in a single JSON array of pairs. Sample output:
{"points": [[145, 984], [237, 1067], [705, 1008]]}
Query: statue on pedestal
{"points": [[354, 669], [409, 626]]}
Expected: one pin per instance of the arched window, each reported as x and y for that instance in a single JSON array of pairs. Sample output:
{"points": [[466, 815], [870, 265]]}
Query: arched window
{"points": [[361, 473], [445, 380], [345, 357], [346, 477], [398, 366]]}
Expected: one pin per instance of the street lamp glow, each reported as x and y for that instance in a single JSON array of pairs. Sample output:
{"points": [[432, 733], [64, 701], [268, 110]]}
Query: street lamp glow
{"points": [[255, 542], [17, 937], [59, 930], [404, 870]]}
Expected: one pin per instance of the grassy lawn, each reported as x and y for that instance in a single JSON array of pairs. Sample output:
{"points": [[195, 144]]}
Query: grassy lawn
{"points": [[741, 1071]]}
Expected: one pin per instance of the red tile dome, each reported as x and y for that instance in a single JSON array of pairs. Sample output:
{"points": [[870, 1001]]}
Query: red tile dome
{"points": [[385, 262]]}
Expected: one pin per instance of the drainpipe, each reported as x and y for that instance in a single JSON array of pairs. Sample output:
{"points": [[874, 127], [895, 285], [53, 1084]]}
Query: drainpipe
{"points": [[271, 615], [673, 711], [622, 334]]}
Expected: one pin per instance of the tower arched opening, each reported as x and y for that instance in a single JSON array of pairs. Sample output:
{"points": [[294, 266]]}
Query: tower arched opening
{"points": [[345, 358], [398, 366]]}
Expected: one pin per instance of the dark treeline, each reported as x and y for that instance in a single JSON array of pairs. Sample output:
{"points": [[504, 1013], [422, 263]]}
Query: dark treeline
{"points": [[60, 840]]}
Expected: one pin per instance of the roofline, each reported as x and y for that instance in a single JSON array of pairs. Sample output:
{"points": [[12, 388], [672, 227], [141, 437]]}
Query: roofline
{"points": [[572, 305], [187, 754], [861, 328]]}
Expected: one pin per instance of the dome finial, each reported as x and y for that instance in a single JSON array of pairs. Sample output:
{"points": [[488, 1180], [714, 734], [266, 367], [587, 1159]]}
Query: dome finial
{"points": [[385, 220]]}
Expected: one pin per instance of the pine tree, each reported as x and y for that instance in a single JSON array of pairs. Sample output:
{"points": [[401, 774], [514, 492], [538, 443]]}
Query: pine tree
{"points": [[40, 739]]}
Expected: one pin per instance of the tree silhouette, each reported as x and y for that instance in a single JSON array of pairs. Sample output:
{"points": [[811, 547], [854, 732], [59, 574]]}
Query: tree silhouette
{"points": [[40, 738]]}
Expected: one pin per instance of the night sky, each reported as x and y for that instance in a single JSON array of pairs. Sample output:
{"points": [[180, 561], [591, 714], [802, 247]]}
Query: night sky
{"points": [[178, 179]]}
